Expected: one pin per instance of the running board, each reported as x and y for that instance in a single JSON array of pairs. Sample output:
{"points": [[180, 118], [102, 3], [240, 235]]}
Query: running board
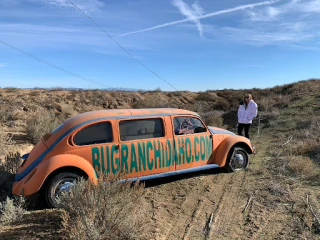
{"points": [[173, 173]]}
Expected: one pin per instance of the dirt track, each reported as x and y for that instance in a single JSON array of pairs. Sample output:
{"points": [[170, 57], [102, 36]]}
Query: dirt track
{"points": [[200, 207]]}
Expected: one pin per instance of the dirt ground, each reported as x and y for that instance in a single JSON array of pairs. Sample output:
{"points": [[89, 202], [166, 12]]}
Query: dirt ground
{"points": [[209, 205], [259, 203]]}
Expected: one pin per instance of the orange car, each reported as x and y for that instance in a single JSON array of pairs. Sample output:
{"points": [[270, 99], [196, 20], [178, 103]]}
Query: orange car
{"points": [[144, 143]]}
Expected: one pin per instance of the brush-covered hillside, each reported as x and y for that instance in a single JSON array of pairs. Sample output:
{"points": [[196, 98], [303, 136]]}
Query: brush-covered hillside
{"points": [[277, 197]]}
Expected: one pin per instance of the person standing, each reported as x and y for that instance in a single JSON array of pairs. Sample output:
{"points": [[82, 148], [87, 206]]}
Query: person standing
{"points": [[247, 111]]}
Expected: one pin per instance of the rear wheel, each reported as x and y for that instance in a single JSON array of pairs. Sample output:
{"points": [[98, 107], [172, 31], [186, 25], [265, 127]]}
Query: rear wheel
{"points": [[238, 160], [59, 184]]}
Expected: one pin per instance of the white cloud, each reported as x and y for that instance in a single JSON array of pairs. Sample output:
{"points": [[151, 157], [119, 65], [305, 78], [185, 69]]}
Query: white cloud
{"points": [[193, 13], [297, 36], [291, 24], [310, 7], [85, 38], [87, 6], [287, 8], [221, 12], [2, 65]]}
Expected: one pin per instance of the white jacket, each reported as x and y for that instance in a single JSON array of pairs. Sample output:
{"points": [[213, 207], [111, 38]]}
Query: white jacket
{"points": [[246, 115]]}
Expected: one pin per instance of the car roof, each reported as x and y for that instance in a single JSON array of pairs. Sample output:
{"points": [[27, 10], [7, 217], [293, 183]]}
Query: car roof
{"points": [[121, 114]]}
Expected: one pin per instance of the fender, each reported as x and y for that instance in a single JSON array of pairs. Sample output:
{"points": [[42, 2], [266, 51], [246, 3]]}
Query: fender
{"points": [[222, 151], [32, 183]]}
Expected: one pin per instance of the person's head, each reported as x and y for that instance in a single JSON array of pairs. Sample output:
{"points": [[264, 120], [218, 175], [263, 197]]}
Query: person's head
{"points": [[247, 97]]}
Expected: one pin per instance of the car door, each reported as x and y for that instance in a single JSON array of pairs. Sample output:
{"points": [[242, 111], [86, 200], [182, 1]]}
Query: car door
{"points": [[143, 146], [193, 142]]}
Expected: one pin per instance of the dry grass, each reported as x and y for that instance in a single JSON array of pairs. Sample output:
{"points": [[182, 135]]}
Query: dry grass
{"points": [[41, 123], [6, 144], [115, 211], [153, 102], [11, 210], [8, 169], [213, 118], [296, 166], [110, 210], [67, 110]]}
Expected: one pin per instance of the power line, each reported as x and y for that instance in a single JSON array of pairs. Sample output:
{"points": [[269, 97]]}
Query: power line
{"points": [[121, 46], [54, 66]]}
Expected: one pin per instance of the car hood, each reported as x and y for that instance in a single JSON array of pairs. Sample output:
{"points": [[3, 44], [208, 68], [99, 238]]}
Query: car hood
{"points": [[215, 130]]}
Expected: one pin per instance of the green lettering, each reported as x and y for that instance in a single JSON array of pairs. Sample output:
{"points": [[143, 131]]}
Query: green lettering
{"points": [[134, 164], [188, 150], [150, 161], [176, 152], [96, 159], [115, 162], [209, 144], [169, 156], [142, 156], [197, 155], [182, 153], [108, 159], [124, 157], [157, 153], [203, 148], [102, 159]]}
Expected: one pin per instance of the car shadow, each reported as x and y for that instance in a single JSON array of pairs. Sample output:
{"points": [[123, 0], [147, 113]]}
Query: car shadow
{"points": [[184, 176]]}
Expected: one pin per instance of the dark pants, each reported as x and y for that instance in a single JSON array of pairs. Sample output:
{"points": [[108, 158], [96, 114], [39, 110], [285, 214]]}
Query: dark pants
{"points": [[246, 129]]}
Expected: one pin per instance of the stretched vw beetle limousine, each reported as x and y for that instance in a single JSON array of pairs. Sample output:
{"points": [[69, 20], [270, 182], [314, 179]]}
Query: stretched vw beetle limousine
{"points": [[143, 143]]}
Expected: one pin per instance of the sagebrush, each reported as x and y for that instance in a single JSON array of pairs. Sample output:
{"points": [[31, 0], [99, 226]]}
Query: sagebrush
{"points": [[109, 210], [41, 123]]}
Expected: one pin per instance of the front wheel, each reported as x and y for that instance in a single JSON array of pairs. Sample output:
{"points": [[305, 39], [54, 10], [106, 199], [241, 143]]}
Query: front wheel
{"points": [[59, 184], [238, 160]]}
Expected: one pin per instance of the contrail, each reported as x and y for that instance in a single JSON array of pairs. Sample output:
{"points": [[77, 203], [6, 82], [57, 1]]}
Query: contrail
{"points": [[242, 7], [190, 12]]}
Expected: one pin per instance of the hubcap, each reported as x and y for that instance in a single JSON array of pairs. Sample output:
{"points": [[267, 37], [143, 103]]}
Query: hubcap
{"points": [[64, 186], [237, 162]]}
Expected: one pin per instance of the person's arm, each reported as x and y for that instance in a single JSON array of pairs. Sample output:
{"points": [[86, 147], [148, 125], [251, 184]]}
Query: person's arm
{"points": [[253, 111], [239, 113]]}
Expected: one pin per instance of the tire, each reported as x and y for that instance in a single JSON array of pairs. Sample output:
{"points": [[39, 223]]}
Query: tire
{"points": [[62, 182], [238, 160]]}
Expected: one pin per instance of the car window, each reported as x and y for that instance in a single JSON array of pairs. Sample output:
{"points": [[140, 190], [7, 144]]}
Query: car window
{"points": [[188, 125], [141, 129], [94, 134]]}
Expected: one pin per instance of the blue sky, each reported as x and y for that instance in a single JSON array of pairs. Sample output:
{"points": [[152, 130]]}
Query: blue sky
{"points": [[193, 45]]}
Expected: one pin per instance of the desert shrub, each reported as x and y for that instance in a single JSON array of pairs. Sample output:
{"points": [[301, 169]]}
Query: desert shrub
{"points": [[230, 118], [41, 123], [158, 89], [11, 89], [212, 118], [6, 144], [306, 139], [294, 166], [222, 104], [11, 210], [201, 107], [67, 110], [109, 210], [206, 96], [8, 169], [300, 166], [154, 102]]}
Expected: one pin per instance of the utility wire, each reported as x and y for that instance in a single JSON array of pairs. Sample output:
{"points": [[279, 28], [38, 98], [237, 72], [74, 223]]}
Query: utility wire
{"points": [[53, 66], [121, 46]]}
